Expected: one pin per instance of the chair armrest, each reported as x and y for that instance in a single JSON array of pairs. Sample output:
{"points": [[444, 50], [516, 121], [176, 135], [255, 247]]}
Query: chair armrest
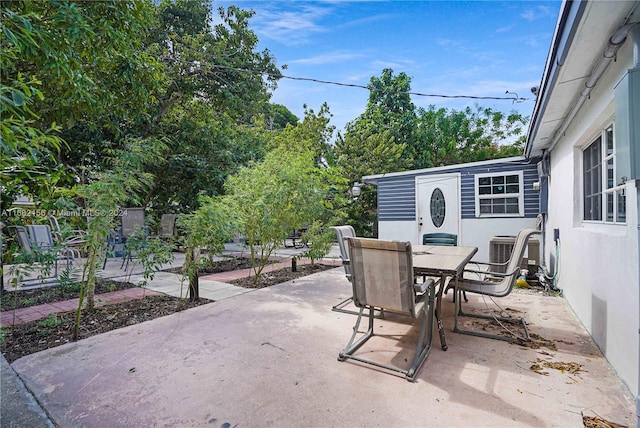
{"points": [[421, 287], [488, 263], [491, 273]]}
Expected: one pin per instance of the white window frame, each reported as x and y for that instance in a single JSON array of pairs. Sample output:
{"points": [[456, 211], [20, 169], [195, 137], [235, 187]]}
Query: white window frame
{"points": [[611, 193], [519, 195]]}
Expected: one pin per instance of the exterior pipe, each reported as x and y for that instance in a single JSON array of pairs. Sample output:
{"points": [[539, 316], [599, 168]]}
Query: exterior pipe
{"points": [[635, 36], [615, 42]]}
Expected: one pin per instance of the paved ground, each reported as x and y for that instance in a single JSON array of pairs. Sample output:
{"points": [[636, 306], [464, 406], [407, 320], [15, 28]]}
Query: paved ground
{"points": [[268, 358]]}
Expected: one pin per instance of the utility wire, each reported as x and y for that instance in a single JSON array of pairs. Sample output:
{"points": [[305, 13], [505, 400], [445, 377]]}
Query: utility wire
{"points": [[514, 99]]}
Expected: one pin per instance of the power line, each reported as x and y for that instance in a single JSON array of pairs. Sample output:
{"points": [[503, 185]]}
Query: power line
{"points": [[514, 99]]}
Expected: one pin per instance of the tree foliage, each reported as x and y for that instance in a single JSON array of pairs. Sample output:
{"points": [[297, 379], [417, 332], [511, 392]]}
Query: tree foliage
{"points": [[447, 137], [273, 197], [390, 109]]}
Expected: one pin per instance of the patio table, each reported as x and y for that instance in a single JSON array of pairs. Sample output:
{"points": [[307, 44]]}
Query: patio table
{"points": [[443, 262]]}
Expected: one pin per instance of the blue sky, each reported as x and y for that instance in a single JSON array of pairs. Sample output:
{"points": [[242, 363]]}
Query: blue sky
{"points": [[447, 47]]}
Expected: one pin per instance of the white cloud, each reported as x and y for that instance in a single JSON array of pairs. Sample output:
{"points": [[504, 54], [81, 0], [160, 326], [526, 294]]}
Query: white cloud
{"points": [[290, 27], [537, 12], [505, 29], [329, 58], [448, 43]]}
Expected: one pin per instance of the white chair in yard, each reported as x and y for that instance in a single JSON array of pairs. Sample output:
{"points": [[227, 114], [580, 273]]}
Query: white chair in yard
{"points": [[343, 232], [382, 278], [38, 243], [74, 239], [493, 284]]}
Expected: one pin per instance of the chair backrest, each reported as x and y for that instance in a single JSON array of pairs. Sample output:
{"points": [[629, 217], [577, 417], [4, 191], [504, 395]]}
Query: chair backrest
{"points": [[341, 233], [447, 239], [40, 236], [167, 224], [23, 239], [131, 219], [382, 274], [55, 226]]}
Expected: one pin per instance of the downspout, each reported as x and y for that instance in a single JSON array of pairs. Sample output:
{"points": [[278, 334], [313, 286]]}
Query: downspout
{"points": [[635, 37], [637, 42], [615, 43]]}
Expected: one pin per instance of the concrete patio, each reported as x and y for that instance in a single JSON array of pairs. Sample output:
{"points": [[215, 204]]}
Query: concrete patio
{"points": [[269, 358]]}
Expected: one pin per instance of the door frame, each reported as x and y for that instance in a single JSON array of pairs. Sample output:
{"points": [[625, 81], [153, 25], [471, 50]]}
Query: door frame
{"points": [[424, 179]]}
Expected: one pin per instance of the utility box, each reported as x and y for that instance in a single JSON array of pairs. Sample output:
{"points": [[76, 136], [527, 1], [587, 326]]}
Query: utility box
{"points": [[501, 247]]}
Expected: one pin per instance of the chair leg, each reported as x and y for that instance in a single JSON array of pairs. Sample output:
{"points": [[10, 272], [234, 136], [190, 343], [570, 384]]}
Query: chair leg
{"points": [[354, 344], [423, 347], [458, 313], [340, 308]]}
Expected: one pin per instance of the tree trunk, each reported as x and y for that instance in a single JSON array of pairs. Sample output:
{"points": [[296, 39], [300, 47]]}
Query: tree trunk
{"points": [[194, 288]]}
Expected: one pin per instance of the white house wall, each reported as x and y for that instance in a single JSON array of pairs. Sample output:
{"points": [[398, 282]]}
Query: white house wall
{"points": [[398, 231], [474, 232], [598, 270], [478, 232]]}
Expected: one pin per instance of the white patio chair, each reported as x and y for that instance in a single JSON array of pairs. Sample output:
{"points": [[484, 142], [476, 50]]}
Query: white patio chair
{"points": [[382, 278], [494, 284]]}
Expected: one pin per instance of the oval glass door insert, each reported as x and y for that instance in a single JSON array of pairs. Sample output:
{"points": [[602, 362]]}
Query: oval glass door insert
{"points": [[438, 208]]}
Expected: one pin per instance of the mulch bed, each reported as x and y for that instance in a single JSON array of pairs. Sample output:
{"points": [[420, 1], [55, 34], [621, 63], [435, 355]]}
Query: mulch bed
{"points": [[281, 275], [225, 265], [57, 293]]}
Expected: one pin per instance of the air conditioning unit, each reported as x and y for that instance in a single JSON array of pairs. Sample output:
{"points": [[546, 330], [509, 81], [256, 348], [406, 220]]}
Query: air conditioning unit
{"points": [[501, 247]]}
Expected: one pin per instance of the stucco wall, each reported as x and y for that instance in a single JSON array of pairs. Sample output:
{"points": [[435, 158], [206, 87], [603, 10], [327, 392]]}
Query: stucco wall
{"points": [[474, 232], [598, 262]]}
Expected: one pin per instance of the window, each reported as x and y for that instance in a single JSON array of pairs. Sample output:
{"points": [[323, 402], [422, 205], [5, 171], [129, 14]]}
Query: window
{"points": [[601, 195], [499, 195]]}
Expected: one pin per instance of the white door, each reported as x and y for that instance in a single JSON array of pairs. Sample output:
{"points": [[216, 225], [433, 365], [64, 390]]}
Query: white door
{"points": [[438, 205]]}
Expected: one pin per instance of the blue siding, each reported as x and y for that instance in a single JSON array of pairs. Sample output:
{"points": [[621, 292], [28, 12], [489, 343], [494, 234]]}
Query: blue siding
{"points": [[397, 199], [397, 194]]}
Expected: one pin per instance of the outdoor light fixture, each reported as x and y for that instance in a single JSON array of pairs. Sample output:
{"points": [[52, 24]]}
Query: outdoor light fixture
{"points": [[356, 190]]}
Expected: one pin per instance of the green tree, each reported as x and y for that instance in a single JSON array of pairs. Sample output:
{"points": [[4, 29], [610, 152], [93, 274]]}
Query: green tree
{"points": [[207, 100], [273, 197], [448, 137], [209, 227], [114, 188], [314, 133], [89, 55], [380, 140], [390, 108], [360, 154], [205, 147], [277, 116]]}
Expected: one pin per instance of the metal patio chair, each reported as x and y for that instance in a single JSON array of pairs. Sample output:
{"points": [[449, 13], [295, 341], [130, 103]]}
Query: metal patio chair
{"points": [[168, 226], [130, 220], [74, 239], [343, 232], [448, 239], [382, 278], [38, 242], [494, 284]]}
